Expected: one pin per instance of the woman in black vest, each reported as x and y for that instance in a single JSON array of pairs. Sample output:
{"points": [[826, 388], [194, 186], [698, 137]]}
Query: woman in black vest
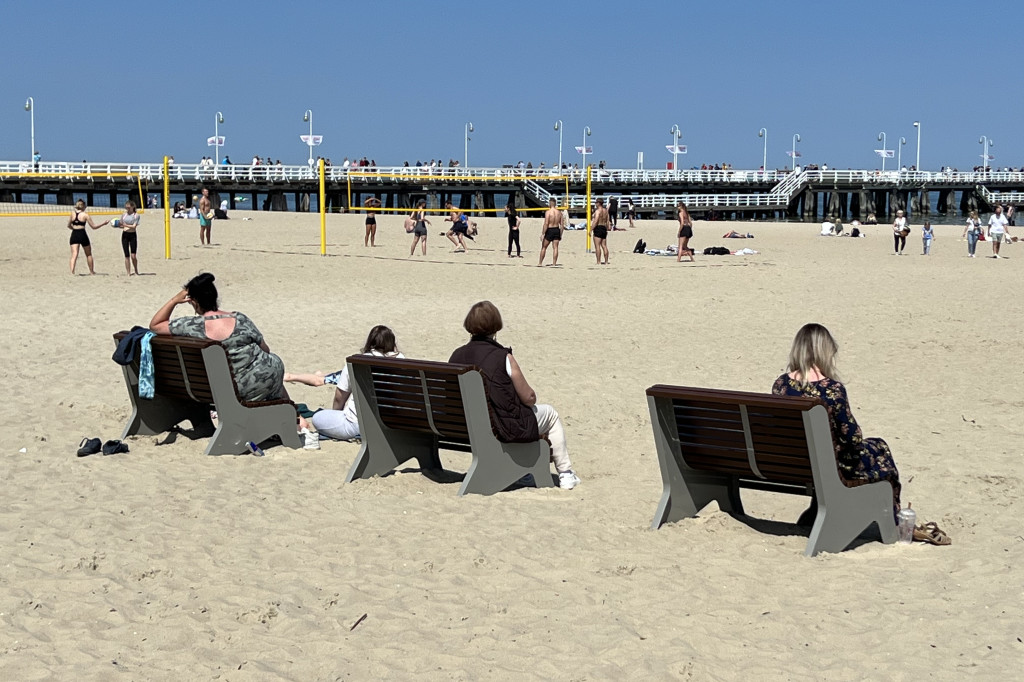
{"points": [[517, 418]]}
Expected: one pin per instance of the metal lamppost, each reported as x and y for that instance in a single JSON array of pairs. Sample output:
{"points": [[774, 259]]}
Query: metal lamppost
{"points": [[988, 143], [217, 120], [899, 154], [764, 133], [881, 137], [308, 117], [917, 166], [469, 129], [586, 134], [30, 107], [676, 133], [558, 127], [796, 138]]}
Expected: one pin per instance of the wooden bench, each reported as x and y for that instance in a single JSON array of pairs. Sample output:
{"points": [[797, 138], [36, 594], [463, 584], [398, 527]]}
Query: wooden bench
{"points": [[712, 443], [413, 408], [191, 377]]}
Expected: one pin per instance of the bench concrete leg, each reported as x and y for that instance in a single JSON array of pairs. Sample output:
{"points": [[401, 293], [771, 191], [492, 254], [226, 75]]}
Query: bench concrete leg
{"points": [[382, 453], [848, 514], [497, 465], [237, 425], [152, 417]]}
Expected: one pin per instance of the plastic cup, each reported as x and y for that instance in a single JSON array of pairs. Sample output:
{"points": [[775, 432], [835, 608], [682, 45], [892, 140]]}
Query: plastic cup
{"points": [[907, 519]]}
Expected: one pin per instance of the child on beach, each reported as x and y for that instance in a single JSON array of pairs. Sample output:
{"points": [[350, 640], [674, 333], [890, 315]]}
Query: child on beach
{"points": [[927, 238]]}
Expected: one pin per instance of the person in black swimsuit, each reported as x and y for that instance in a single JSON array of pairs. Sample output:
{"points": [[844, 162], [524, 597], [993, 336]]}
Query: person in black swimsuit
{"points": [[371, 221], [631, 212], [79, 238], [419, 217], [513, 228], [685, 232]]}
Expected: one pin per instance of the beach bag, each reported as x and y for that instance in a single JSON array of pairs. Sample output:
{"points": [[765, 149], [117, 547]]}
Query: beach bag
{"points": [[855, 232]]}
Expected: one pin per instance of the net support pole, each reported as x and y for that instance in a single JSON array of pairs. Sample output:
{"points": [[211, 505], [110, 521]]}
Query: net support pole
{"points": [[167, 211], [323, 211], [587, 171]]}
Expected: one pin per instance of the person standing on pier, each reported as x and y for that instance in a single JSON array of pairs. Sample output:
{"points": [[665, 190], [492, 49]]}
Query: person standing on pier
{"points": [[997, 230], [900, 230], [79, 237], [551, 232], [600, 232], [205, 218], [685, 232], [371, 221], [420, 222]]}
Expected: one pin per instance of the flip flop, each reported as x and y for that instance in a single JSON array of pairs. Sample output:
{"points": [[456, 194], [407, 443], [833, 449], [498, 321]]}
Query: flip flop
{"points": [[112, 447], [88, 446], [932, 534]]}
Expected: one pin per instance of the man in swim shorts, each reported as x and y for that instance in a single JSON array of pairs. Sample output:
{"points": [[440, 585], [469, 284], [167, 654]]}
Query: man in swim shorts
{"points": [[551, 232], [458, 229], [600, 231], [205, 217]]}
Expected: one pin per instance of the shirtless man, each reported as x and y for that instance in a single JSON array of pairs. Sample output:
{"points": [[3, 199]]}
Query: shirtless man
{"points": [[459, 228], [600, 231], [551, 233], [205, 223]]}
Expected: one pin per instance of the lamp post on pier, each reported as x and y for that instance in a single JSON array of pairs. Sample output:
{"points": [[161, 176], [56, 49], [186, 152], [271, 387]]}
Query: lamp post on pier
{"points": [[796, 138], [30, 107], [676, 133], [881, 138], [218, 118], [917, 166], [308, 117], [586, 134], [899, 154], [988, 143], [469, 129], [764, 163], [558, 127]]}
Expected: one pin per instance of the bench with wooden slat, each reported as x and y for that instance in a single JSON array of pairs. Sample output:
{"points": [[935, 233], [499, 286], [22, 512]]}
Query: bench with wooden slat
{"points": [[411, 409], [191, 377], [711, 443]]}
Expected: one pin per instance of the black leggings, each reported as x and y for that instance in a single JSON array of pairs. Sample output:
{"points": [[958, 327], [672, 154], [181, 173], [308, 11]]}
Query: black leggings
{"points": [[899, 240], [513, 237]]}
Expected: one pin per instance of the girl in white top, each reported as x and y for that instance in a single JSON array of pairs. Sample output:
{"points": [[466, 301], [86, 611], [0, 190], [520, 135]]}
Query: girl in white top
{"points": [[972, 232], [899, 233], [341, 422]]}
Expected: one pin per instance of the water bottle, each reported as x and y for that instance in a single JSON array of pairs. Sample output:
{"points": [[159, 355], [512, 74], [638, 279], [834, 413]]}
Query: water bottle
{"points": [[907, 521], [256, 450]]}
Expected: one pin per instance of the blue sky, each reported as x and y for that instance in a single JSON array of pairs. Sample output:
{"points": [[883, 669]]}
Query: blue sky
{"points": [[396, 81]]}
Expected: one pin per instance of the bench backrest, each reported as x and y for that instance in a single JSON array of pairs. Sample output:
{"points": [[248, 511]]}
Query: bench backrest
{"points": [[417, 395], [178, 367], [755, 435]]}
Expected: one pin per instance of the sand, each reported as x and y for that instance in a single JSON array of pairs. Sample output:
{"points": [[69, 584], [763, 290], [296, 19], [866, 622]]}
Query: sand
{"points": [[165, 564]]}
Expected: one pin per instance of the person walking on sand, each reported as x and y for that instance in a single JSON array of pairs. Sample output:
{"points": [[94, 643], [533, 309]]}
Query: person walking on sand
{"points": [[685, 232], [926, 237], [997, 230], [371, 221], [130, 238], [79, 237], [512, 216], [900, 230], [972, 232], [419, 230], [631, 212], [551, 232], [600, 232], [205, 218]]}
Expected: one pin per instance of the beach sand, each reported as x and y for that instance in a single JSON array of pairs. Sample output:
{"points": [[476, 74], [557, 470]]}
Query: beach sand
{"points": [[165, 564]]}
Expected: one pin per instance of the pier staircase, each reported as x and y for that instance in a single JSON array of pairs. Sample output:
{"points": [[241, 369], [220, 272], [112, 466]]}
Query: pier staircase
{"points": [[993, 198]]}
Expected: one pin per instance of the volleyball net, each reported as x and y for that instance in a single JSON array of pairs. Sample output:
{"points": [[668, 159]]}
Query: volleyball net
{"points": [[65, 189]]}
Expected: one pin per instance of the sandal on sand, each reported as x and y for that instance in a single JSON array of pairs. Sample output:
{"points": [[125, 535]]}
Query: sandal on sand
{"points": [[932, 534]]}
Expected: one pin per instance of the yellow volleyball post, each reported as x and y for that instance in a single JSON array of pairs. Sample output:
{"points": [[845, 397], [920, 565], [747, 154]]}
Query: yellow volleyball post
{"points": [[588, 209], [167, 211], [323, 212]]}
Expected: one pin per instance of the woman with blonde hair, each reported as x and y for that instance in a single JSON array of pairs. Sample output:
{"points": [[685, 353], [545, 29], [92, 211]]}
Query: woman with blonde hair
{"points": [[812, 372], [685, 232], [79, 237], [972, 231]]}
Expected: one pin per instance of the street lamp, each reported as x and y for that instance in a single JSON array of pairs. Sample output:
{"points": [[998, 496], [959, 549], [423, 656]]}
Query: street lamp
{"points": [[899, 154], [764, 133], [586, 134], [217, 120], [796, 138], [469, 129], [308, 117], [558, 127], [30, 107], [676, 133], [988, 143], [917, 166], [881, 137]]}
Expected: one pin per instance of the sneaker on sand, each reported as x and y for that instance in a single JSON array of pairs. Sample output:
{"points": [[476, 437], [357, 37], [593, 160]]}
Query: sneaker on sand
{"points": [[312, 440], [567, 480]]}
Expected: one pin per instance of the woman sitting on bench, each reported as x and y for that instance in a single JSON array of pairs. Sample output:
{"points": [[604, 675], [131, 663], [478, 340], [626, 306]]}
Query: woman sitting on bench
{"points": [[341, 422], [258, 373], [516, 417], [812, 373]]}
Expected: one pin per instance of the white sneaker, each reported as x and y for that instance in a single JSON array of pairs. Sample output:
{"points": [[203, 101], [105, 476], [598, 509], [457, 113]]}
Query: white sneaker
{"points": [[312, 440], [567, 480]]}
